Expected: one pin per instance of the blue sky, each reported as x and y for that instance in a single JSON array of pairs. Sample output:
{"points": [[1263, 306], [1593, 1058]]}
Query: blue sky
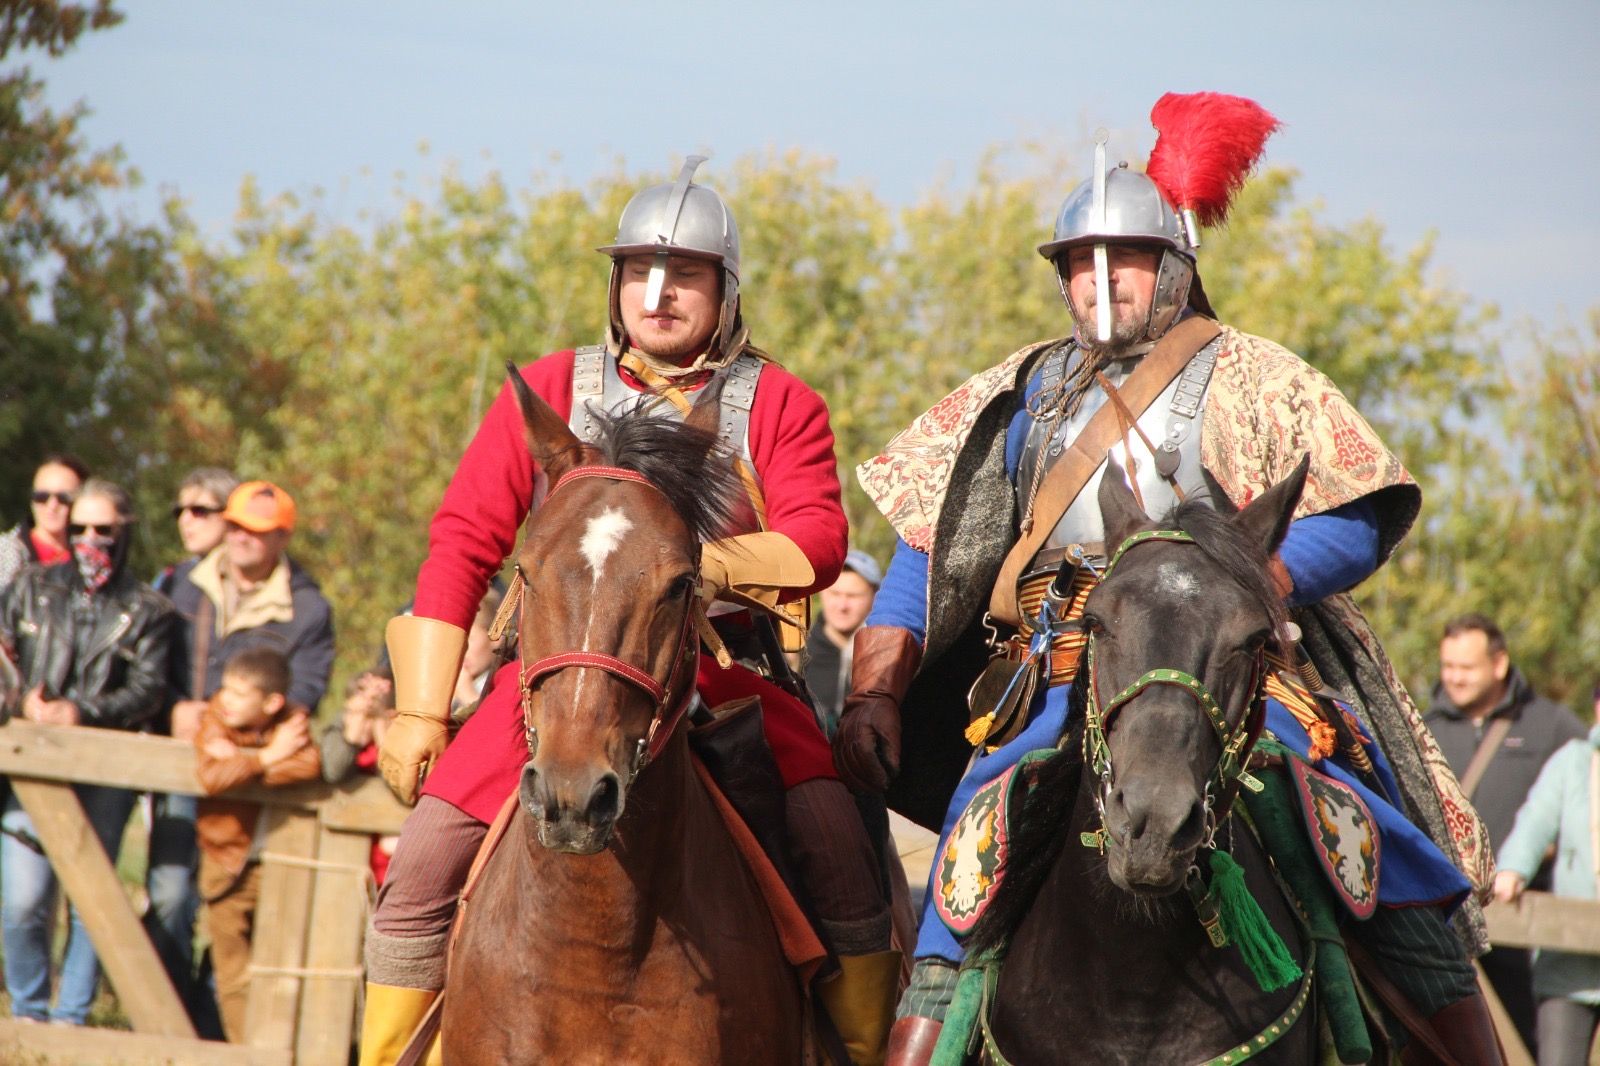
{"points": [[1479, 122]]}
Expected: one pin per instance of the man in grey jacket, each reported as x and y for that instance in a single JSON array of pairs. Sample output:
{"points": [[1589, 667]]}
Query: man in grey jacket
{"points": [[1496, 733]]}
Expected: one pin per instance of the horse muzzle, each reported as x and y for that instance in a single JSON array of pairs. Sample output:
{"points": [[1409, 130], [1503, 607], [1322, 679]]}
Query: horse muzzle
{"points": [[574, 813], [1153, 834]]}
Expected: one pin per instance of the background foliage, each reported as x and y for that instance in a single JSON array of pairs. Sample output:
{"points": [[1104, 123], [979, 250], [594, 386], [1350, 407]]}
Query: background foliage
{"points": [[351, 362]]}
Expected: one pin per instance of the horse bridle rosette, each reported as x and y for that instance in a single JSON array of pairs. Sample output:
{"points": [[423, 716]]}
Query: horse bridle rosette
{"points": [[1229, 772], [670, 698]]}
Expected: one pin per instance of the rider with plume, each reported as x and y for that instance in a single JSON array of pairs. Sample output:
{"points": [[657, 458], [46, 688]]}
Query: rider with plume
{"points": [[673, 328], [996, 486]]}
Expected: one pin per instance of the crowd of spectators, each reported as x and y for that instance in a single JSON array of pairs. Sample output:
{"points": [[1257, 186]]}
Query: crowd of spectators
{"points": [[231, 649]]}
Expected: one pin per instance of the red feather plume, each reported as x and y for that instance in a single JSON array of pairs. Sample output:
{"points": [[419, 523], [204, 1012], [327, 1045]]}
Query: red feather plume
{"points": [[1207, 145]]}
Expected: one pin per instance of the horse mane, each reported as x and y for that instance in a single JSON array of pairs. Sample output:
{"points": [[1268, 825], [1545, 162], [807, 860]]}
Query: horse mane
{"points": [[1239, 555], [1039, 831], [688, 464]]}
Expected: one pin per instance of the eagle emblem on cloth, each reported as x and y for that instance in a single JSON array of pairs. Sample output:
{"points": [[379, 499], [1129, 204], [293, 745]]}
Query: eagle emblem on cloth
{"points": [[968, 869], [1344, 837]]}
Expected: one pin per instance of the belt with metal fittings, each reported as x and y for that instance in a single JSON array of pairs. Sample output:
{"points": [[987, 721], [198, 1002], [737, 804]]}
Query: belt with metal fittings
{"points": [[1067, 645]]}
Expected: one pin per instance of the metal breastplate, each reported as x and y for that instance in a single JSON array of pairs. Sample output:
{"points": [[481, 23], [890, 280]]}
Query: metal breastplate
{"points": [[597, 385], [1171, 422]]}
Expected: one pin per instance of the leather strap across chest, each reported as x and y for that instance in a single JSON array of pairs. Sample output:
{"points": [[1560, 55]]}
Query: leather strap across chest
{"points": [[1068, 475]]}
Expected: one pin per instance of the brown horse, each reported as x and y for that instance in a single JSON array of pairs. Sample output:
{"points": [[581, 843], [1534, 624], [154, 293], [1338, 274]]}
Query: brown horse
{"points": [[616, 922]]}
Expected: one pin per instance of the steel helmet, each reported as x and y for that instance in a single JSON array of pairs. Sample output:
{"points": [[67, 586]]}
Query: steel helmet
{"points": [[1122, 206], [677, 218]]}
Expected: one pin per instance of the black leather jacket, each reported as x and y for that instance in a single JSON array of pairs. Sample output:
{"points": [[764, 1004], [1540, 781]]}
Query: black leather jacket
{"points": [[106, 653]]}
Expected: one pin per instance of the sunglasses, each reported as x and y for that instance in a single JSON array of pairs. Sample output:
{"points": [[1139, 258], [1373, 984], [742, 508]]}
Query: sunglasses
{"points": [[78, 529], [63, 498], [196, 510]]}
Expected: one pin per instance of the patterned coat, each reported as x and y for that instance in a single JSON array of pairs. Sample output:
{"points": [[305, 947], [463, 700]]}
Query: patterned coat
{"points": [[942, 484]]}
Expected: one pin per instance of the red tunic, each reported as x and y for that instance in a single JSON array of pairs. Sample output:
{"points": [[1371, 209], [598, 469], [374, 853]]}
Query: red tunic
{"points": [[476, 528]]}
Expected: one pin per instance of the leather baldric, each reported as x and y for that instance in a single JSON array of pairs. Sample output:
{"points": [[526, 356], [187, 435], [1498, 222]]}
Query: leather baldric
{"points": [[1068, 475]]}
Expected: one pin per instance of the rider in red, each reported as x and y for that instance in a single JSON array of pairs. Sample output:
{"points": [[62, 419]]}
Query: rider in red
{"points": [[674, 325]]}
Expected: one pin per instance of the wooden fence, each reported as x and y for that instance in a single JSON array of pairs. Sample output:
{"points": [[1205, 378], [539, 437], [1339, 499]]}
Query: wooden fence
{"points": [[311, 916], [306, 963]]}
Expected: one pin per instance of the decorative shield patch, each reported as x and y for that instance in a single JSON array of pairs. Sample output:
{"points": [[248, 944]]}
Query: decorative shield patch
{"points": [[1344, 836], [968, 868]]}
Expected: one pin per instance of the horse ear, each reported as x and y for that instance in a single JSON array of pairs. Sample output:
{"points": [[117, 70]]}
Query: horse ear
{"points": [[554, 446], [706, 414], [1120, 513], [1267, 518]]}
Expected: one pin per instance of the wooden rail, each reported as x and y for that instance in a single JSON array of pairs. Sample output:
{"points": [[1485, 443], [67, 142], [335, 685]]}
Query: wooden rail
{"points": [[311, 915], [309, 921]]}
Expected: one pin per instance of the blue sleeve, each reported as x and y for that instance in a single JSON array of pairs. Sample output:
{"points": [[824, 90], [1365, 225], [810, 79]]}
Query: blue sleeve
{"points": [[1330, 552], [902, 599], [1017, 431]]}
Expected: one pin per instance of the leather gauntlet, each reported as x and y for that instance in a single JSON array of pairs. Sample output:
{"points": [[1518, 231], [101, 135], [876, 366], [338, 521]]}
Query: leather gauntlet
{"points": [[754, 569], [866, 747], [426, 655]]}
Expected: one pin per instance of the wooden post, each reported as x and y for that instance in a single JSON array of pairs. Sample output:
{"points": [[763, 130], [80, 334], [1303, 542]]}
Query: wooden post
{"points": [[282, 913], [91, 884], [338, 923]]}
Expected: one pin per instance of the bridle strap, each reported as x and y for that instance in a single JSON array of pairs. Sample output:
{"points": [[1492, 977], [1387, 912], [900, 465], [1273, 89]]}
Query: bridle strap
{"points": [[610, 473], [670, 705], [1237, 743], [594, 660]]}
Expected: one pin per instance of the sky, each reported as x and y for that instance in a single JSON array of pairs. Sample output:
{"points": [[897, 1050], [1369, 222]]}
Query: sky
{"points": [[1476, 122]]}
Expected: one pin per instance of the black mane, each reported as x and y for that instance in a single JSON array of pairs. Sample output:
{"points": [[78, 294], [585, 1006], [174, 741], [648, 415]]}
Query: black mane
{"points": [[688, 464], [1241, 557]]}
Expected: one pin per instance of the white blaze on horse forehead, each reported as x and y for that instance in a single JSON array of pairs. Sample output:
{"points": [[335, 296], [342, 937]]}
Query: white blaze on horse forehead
{"points": [[1177, 581], [602, 536]]}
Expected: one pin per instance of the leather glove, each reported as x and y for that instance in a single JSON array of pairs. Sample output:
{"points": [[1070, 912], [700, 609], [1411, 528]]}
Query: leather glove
{"points": [[753, 569], [866, 746], [426, 655]]}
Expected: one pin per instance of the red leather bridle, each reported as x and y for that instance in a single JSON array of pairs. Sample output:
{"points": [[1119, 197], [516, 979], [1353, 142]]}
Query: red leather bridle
{"points": [[670, 697]]}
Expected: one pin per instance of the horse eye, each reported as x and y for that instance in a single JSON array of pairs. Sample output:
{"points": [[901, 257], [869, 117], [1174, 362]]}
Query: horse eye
{"points": [[1093, 625], [679, 588]]}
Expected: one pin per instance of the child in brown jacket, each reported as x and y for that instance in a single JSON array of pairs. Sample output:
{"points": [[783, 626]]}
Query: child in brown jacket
{"points": [[247, 734]]}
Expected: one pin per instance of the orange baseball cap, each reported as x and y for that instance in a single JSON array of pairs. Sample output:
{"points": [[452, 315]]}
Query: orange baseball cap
{"points": [[260, 507]]}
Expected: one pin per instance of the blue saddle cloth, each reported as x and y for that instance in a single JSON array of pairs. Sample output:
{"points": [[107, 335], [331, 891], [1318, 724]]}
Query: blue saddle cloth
{"points": [[1414, 871]]}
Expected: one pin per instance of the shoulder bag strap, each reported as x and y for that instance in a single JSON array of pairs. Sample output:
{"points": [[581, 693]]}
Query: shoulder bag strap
{"points": [[1493, 737], [1067, 477]]}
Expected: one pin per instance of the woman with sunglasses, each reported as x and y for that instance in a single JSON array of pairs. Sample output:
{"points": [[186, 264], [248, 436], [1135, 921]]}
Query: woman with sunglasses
{"points": [[42, 537], [92, 644]]}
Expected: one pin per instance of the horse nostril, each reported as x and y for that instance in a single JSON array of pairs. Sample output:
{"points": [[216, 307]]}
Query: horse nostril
{"points": [[1193, 826], [604, 800], [533, 795]]}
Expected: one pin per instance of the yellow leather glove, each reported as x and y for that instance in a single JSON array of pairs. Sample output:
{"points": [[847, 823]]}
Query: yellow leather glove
{"points": [[753, 569], [425, 654]]}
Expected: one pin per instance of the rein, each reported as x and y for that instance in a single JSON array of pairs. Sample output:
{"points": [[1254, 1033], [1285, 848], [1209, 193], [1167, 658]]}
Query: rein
{"points": [[1229, 772], [670, 697]]}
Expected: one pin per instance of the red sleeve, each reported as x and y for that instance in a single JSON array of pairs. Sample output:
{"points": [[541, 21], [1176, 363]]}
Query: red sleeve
{"points": [[476, 526], [791, 442]]}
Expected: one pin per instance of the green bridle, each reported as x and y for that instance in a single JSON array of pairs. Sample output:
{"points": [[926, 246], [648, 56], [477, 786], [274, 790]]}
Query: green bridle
{"points": [[1237, 742]]}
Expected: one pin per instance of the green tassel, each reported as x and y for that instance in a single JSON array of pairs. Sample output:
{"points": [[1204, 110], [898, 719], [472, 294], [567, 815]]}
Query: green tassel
{"points": [[1247, 927]]}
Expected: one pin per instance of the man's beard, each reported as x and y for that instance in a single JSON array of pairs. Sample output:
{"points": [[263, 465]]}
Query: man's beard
{"points": [[1127, 331]]}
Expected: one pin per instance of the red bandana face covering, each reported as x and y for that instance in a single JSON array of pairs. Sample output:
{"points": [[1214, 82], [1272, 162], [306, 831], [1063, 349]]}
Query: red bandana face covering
{"points": [[92, 553]]}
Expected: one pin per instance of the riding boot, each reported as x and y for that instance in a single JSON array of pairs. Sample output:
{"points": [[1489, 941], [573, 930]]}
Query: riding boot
{"points": [[860, 1001], [912, 1040], [1467, 1032], [392, 1015]]}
